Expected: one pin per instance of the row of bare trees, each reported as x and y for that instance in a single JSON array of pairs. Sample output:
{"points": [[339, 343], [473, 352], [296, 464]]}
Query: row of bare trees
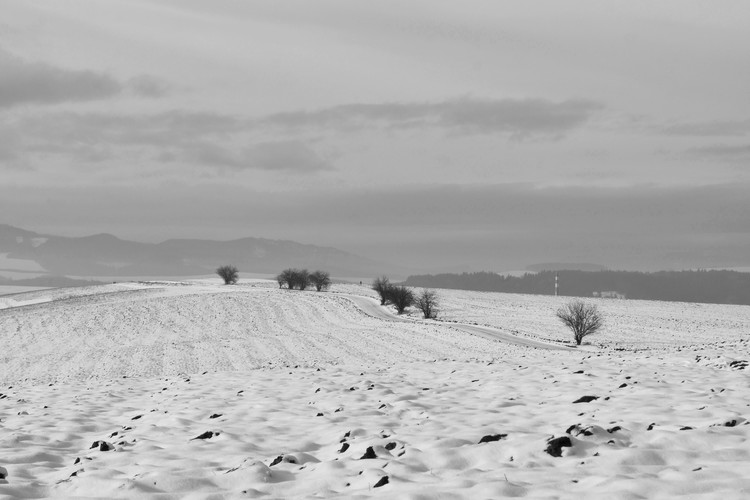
{"points": [[291, 278], [403, 297], [302, 278], [583, 319]]}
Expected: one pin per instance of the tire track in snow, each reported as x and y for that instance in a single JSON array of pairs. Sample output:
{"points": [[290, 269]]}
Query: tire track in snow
{"points": [[371, 308]]}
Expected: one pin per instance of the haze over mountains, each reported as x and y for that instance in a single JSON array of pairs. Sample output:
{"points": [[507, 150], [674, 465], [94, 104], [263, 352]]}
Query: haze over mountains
{"points": [[106, 255]]}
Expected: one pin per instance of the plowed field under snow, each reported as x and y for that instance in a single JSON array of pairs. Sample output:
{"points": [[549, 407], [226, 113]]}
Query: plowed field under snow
{"points": [[197, 390]]}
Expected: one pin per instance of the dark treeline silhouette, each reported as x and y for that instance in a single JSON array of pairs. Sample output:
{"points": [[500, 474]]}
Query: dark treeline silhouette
{"points": [[717, 287]]}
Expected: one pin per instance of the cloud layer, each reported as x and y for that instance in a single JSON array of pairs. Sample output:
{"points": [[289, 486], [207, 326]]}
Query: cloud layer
{"points": [[727, 152], [465, 116], [277, 142], [710, 128], [23, 82], [278, 156]]}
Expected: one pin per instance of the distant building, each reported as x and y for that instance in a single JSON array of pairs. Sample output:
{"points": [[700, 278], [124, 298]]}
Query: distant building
{"points": [[610, 295]]}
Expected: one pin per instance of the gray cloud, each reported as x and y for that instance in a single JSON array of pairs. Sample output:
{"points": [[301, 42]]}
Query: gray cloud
{"points": [[722, 151], [148, 129], [23, 82], [467, 116], [204, 139], [710, 128], [273, 156], [219, 140], [148, 86], [285, 155]]}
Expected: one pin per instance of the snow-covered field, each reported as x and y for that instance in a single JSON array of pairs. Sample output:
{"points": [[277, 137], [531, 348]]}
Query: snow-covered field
{"points": [[198, 390]]}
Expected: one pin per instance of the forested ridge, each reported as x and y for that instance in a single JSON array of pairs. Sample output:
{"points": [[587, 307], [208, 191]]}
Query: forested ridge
{"points": [[716, 287]]}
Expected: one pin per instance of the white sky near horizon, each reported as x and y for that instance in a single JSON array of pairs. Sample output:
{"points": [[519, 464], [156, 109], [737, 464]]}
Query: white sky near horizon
{"points": [[449, 135]]}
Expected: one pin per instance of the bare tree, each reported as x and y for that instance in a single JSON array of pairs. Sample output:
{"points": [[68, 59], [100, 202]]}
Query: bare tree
{"points": [[401, 297], [583, 319], [301, 278], [285, 277], [382, 285], [294, 278], [427, 302], [229, 274], [321, 280]]}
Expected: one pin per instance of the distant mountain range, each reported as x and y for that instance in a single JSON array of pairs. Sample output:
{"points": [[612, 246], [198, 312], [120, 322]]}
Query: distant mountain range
{"points": [[107, 255]]}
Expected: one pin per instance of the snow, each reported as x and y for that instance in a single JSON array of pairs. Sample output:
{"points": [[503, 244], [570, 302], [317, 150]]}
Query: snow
{"points": [[289, 390], [10, 264]]}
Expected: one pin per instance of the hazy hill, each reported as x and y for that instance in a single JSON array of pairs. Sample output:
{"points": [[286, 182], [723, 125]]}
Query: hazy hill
{"points": [[107, 255]]}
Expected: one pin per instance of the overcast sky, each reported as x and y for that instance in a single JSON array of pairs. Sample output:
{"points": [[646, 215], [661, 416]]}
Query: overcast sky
{"points": [[446, 135]]}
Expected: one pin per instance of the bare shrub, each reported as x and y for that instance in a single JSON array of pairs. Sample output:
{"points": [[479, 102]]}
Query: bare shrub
{"points": [[285, 277], [229, 274], [427, 302], [583, 319], [401, 297], [301, 278], [382, 285], [321, 280], [294, 278]]}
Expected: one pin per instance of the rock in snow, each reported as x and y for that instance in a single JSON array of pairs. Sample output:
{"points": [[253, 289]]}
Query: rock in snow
{"points": [[492, 437], [206, 435], [586, 399], [102, 445], [383, 481], [555, 445]]}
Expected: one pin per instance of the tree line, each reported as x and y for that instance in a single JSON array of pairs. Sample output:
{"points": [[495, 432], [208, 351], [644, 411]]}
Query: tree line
{"points": [[299, 279], [714, 287], [302, 278], [402, 297]]}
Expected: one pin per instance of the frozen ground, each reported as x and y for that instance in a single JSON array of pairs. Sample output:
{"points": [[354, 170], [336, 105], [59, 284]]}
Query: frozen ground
{"points": [[168, 390]]}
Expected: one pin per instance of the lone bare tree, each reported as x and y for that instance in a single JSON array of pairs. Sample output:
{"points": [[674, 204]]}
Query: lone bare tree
{"points": [[583, 319], [427, 302], [401, 297], [382, 285], [321, 280], [229, 274]]}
